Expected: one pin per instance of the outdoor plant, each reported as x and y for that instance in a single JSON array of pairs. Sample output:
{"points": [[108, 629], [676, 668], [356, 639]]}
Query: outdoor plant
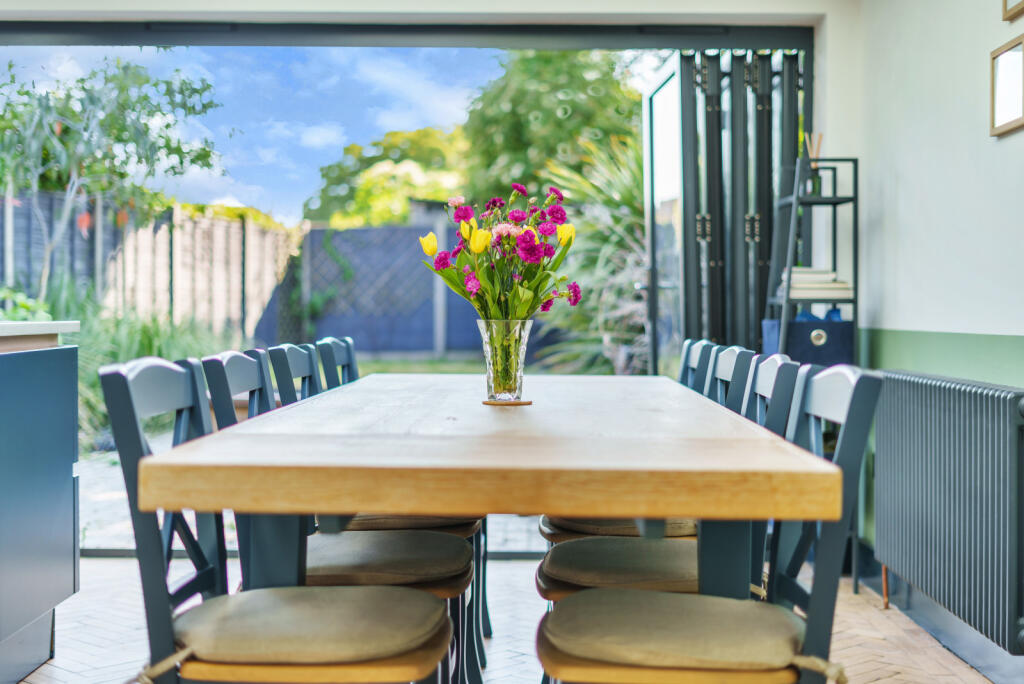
{"points": [[15, 305], [607, 332], [506, 265]]}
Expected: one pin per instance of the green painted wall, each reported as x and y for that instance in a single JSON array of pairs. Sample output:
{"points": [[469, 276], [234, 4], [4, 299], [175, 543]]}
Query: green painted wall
{"points": [[997, 359], [988, 358]]}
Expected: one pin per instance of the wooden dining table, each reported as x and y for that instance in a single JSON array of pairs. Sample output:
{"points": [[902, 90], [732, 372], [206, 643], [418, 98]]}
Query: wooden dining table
{"points": [[639, 447]]}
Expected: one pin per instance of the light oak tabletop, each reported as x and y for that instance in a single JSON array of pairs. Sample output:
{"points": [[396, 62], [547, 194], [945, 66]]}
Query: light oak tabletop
{"points": [[611, 446]]}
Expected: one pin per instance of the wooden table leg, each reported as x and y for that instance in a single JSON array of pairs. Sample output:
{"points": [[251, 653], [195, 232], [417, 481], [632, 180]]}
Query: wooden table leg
{"points": [[275, 555], [723, 558]]}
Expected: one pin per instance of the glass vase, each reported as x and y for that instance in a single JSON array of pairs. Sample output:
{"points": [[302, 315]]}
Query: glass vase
{"points": [[505, 354]]}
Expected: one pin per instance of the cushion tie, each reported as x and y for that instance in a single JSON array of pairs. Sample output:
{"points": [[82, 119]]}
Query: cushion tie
{"points": [[832, 671], [166, 665]]}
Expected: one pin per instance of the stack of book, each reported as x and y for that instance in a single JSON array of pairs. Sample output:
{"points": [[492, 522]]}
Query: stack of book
{"points": [[816, 283]]}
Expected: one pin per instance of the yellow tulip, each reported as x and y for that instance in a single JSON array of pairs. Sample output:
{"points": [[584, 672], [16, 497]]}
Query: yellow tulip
{"points": [[480, 241], [566, 234], [465, 229], [429, 244], [472, 223]]}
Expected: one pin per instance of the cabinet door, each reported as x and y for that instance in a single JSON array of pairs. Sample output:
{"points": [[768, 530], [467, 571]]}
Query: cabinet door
{"points": [[38, 447]]}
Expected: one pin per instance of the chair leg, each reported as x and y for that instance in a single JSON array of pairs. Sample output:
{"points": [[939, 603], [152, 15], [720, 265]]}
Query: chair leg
{"points": [[457, 666], [488, 632], [477, 602], [885, 587]]}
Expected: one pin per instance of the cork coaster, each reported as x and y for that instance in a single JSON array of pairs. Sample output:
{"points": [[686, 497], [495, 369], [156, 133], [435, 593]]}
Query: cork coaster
{"points": [[507, 403]]}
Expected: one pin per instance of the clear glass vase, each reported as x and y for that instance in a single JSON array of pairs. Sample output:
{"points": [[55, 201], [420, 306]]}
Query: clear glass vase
{"points": [[505, 354]]}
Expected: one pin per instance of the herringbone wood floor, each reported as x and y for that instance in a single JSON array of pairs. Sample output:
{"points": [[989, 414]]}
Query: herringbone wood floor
{"points": [[101, 634]]}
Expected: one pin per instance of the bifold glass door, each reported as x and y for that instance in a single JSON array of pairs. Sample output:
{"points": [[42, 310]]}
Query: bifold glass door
{"points": [[722, 129]]}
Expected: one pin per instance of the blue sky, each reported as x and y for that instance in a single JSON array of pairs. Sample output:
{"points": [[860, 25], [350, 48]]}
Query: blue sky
{"points": [[288, 111]]}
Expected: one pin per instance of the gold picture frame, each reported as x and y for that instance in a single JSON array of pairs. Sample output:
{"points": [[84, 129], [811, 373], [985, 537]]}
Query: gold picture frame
{"points": [[1006, 94], [1012, 9]]}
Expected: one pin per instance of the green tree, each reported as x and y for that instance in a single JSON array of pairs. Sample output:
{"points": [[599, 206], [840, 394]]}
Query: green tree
{"points": [[544, 108], [373, 184], [110, 131]]}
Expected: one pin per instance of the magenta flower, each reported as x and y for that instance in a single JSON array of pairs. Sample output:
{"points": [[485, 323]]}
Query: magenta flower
{"points": [[549, 251], [517, 216], [494, 203], [472, 284], [556, 214], [547, 228], [546, 304], [516, 277], [442, 261], [520, 188], [575, 295], [463, 213], [458, 248], [557, 193], [528, 249], [467, 269], [534, 209], [541, 216]]}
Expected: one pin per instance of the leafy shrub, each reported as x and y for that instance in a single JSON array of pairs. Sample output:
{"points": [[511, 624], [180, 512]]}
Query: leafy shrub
{"points": [[15, 305], [607, 332]]}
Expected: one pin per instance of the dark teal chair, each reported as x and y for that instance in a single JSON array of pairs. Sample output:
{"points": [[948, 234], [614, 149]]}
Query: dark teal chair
{"points": [[322, 631]]}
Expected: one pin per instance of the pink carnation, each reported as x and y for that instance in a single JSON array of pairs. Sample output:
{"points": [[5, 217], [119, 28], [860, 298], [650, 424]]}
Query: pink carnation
{"points": [[546, 304], [494, 203], [520, 188], [556, 214], [547, 228], [549, 251], [463, 213], [442, 261], [517, 215], [534, 209], [528, 249], [458, 248], [575, 295], [456, 201], [472, 284], [557, 193], [503, 229]]}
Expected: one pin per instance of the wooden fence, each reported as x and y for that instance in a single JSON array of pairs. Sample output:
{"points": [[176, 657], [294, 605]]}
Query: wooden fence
{"points": [[215, 270]]}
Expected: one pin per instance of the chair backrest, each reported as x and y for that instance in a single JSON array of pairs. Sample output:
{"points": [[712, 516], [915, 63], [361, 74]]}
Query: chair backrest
{"points": [[338, 358], [696, 362], [728, 376], [847, 396], [230, 373], [133, 392], [295, 362], [769, 393]]}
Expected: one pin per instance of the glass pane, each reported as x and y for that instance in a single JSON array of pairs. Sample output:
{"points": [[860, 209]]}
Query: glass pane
{"points": [[1008, 81], [666, 154]]}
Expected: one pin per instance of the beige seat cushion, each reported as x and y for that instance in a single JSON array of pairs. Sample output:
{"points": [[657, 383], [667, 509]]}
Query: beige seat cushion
{"points": [[307, 625], [372, 521], [387, 556], [658, 629], [623, 527], [661, 564]]}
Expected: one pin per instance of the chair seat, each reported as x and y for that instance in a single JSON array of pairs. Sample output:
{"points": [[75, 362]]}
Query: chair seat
{"points": [[385, 557], [373, 521], [664, 630], [627, 562], [310, 625], [622, 527]]}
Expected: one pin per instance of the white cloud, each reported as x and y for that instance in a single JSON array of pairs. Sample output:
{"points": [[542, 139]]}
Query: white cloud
{"points": [[419, 99], [228, 201], [319, 136]]}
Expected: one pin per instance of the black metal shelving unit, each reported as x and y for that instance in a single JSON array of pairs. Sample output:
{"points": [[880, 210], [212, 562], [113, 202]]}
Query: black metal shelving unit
{"points": [[783, 307]]}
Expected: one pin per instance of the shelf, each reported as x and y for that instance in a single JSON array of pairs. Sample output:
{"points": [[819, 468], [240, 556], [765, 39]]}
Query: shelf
{"points": [[812, 200], [813, 300]]}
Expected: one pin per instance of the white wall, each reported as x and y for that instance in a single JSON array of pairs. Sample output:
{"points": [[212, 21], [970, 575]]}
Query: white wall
{"points": [[943, 219]]}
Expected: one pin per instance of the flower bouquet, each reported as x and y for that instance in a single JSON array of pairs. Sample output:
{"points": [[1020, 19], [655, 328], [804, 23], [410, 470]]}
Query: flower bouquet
{"points": [[505, 264]]}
